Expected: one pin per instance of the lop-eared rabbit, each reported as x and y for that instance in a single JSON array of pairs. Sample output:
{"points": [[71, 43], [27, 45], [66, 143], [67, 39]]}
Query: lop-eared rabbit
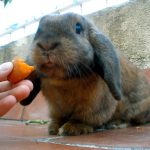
{"points": [[86, 82]]}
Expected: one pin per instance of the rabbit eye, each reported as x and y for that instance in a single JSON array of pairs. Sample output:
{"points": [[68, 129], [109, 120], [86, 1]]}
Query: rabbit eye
{"points": [[78, 28]]}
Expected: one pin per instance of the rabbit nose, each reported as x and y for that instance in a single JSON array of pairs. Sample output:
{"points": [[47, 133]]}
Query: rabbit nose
{"points": [[54, 45], [47, 47]]}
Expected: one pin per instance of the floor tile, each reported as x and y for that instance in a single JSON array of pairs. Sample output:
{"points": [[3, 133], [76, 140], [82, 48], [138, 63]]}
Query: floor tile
{"points": [[135, 137], [20, 129], [28, 145], [18, 135]]}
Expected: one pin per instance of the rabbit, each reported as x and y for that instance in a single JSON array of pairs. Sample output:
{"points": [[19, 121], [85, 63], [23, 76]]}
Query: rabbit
{"points": [[87, 83]]}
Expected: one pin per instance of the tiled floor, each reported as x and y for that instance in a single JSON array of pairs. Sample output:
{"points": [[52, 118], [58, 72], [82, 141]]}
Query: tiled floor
{"points": [[15, 135]]}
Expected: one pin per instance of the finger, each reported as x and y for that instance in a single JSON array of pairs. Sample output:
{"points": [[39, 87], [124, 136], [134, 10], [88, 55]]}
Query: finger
{"points": [[5, 69], [6, 104], [25, 82], [20, 92], [6, 85]]}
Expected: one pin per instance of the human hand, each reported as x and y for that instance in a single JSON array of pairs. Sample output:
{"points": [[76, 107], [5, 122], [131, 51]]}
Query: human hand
{"points": [[10, 93]]}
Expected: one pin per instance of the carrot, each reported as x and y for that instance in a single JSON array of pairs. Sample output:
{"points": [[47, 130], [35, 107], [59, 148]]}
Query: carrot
{"points": [[20, 71]]}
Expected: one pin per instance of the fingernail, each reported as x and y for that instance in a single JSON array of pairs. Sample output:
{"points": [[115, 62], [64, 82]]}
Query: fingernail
{"points": [[5, 66]]}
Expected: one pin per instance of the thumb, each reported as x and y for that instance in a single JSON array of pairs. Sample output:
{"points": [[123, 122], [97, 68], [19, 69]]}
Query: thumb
{"points": [[5, 70]]}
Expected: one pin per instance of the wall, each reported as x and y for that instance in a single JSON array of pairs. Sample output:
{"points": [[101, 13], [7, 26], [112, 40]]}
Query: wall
{"points": [[18, 48], [128, 27]]}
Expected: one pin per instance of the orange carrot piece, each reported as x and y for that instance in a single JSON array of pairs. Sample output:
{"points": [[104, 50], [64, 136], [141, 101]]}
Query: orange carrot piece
{"points": [[20, 71]]}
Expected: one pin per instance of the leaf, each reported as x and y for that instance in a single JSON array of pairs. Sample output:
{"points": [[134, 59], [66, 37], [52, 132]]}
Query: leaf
{"points": [[42, 122], [6, 2]]}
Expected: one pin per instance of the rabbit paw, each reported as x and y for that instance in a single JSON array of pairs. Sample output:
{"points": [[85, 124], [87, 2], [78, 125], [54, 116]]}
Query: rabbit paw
{"points": [[74, 129], [53, 128], [116, 125]]}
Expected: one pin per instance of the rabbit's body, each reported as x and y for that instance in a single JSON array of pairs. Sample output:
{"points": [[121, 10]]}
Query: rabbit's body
{"points": [[135, 103], [79, 100], [86, 83], [82, 101]]}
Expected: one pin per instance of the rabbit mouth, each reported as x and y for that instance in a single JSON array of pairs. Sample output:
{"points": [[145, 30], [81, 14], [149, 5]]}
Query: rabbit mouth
{"points": [[56, 67], [51, 70], [48, 66]]}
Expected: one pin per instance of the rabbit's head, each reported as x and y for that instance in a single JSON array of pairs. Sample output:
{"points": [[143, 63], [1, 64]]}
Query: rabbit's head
{"points": [[68, 46]]}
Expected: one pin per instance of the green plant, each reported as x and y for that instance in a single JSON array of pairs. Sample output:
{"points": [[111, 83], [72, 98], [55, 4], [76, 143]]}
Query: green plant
{"points": [[6, 2]]}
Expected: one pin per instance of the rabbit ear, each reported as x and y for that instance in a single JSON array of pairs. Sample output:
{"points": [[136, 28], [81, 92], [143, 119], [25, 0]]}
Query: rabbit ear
{"points": [[106, 62]]}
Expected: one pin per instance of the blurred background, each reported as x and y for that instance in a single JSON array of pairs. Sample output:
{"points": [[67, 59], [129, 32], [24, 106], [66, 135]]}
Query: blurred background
{"points": [[19, 18]]}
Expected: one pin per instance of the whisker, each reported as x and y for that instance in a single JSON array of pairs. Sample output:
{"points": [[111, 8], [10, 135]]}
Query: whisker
{"points": [[77, 70], [68, 69]]}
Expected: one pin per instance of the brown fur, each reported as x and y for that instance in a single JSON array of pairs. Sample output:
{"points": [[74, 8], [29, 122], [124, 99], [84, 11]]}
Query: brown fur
{"points": [[79, 100], [82, 99], [94, 107], [136, 94]]}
